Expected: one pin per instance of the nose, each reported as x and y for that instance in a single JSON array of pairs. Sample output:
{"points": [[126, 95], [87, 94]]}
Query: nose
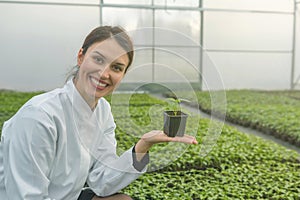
{"points": [[105, 72]]}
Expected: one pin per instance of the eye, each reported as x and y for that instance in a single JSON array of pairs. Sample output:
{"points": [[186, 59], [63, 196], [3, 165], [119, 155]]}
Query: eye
{"points": [[117, 68], [99, 60]]}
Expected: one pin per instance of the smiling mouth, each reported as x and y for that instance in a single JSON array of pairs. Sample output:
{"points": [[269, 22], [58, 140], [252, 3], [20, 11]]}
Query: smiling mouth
{"points": [[98, 84]]}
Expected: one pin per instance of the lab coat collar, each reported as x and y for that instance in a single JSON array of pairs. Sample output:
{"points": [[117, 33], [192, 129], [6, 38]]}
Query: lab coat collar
{"points": [[80, 106]]}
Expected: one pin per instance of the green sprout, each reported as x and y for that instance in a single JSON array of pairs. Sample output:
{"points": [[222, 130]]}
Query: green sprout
{"points": [[174, 105]]}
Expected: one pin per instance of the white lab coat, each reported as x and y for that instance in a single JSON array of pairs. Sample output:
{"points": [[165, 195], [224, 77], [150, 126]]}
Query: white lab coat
{"points": [[55, 143]]}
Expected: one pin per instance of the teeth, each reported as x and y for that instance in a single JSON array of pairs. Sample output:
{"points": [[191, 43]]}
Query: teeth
{"points": [[98, 83]]}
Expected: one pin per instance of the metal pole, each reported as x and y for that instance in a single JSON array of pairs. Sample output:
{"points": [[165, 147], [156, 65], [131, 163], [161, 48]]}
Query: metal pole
{"points": [[293, 48], [51, 3], [201, 44], [101, 12], [157, 7], [153, 42]]}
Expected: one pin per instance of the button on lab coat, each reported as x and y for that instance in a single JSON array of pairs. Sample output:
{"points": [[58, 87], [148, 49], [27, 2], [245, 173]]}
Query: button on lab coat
{"points": [[55, 144]]}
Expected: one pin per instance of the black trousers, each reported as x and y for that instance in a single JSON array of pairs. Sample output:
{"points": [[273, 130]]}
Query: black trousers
{"points": [[86, 194]]}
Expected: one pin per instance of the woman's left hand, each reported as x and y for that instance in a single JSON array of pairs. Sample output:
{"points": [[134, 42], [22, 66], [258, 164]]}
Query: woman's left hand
{"points": [[157, 136]]}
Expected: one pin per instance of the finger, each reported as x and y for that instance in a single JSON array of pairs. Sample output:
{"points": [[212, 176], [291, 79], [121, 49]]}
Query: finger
{"points": [[192, 140], [188, 136], [187, 140], [192, 137]]}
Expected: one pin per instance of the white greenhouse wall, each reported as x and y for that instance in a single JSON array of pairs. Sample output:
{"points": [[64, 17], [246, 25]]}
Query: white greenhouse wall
{"points": [[40, 43], [244, 50]]}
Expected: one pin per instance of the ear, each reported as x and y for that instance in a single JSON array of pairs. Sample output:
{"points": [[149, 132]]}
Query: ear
{"points": [[80, 57]]}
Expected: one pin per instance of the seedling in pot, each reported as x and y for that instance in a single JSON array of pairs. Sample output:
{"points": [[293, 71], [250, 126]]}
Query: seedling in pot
{"points": [[174, 105], [174, 118]]}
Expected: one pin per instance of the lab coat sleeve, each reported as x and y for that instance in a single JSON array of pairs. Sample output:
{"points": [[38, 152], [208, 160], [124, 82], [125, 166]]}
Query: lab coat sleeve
{"points": [[107, 177], [110, 173], [29, 143]]}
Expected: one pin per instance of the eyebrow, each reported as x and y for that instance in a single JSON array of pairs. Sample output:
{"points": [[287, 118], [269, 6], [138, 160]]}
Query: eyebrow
{"points": [[118, 63], [97, 52]]}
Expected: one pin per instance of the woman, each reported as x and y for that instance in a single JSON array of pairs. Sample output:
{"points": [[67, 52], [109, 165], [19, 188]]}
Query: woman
{"points": [[61, 140]]}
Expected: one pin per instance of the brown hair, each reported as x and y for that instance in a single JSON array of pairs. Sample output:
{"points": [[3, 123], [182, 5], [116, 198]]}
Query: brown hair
{"points": [[102, 33]]}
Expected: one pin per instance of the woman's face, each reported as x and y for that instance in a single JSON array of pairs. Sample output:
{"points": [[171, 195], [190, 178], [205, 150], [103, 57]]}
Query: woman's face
{"points": [[101, 69]]}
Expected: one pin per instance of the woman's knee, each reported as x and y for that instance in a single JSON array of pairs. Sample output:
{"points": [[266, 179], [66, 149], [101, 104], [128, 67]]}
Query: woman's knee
{"points": [[125, 197], [114, 197]]}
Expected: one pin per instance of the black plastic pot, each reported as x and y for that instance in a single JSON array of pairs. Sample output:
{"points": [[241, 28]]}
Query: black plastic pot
{"points": [[174, 124]]}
